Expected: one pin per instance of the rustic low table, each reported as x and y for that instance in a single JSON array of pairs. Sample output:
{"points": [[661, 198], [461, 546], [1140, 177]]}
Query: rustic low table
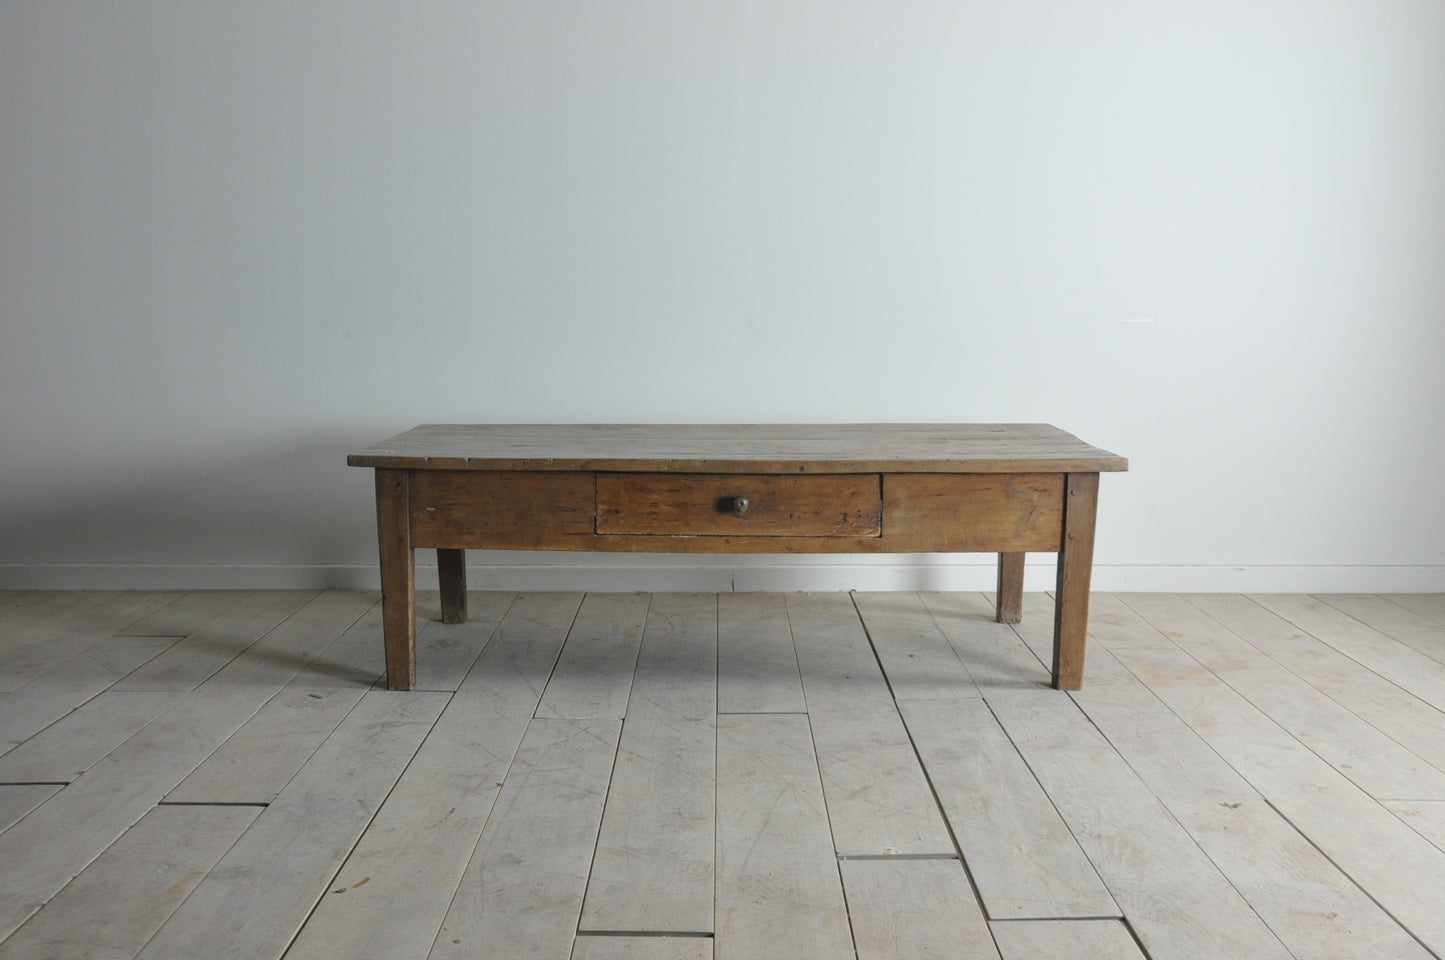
{"points": [[857, 488]]}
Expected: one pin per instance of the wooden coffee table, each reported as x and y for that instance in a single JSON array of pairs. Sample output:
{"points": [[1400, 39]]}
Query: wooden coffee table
{"points": [[857, 488]]}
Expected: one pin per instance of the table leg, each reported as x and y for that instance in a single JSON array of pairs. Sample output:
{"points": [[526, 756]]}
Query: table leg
{"points": [[1010, 600], [398, 576], [452, 575], [1076, 562]]}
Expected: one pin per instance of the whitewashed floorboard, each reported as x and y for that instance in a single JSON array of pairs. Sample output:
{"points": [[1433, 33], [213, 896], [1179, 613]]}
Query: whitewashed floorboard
{"points": [[1065, 940], [1402, 716], [187, 613], [1211, 816], [258, 760], [779, 894], [914, 910], [653, 867], [398, 883], [757, 666], [594, 674], [261, 892], [1425, 817], [992, 652], [117, 903], [833, 650], [1175, 898], [186, 664], [1419, 633], [1379, 765], [642, 948], [68, 831], [1020, 852], [83, 621], [18, 799], [521, 894], [1359, 835], [81, 739], [1431, 606], [917, 658], [71, 684], [1422, 675], [1309, 904]]}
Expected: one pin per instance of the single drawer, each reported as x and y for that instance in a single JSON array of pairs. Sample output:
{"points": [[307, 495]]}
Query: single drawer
{"points": [[720, 505]]}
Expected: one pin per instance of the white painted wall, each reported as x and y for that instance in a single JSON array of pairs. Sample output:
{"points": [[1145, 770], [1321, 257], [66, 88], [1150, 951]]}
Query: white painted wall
{"points": [[239, 240]]}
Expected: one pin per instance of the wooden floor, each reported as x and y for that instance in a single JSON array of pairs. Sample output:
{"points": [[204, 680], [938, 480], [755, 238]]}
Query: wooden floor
{"points": [[754, 776]]}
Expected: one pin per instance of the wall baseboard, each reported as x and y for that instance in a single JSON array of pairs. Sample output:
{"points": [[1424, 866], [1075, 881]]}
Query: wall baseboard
{"points": [[610, 573]]}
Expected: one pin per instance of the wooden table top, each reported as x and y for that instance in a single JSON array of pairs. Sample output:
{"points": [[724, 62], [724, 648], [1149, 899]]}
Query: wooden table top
{"points": [[743, 448]]}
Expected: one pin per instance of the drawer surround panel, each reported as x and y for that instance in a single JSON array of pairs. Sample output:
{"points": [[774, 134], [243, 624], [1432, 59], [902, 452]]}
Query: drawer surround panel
{"points": [[758, 505]]}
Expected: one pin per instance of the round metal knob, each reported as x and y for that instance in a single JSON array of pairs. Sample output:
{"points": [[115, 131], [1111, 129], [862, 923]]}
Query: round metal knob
{"points": [[740, 505]]}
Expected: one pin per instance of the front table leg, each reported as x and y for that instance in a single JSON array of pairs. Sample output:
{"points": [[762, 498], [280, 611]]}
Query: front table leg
{"points": [[398, 576], [1076, 562]]}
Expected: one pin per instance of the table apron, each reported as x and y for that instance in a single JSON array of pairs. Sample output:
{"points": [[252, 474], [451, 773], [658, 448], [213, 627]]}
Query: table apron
{"points": [[576, 511]]}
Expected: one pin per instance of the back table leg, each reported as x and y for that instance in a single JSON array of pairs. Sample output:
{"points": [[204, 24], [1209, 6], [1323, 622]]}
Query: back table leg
{"points": [[398, 576], [1076, 563], [452, 577], [1010, 602]]}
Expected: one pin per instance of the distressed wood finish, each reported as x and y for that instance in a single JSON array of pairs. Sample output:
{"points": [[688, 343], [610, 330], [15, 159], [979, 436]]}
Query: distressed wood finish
{"points": [[709, 505], [715, 489]]}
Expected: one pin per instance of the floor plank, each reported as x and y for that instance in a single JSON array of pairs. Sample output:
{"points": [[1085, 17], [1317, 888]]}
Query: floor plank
{"points": [[521, 894], [1174, 897], [1243, 776], [914, 909], [260, 758], [82, 625], [1405, 718], [1412, 670], [81, 739], [18, 799], [991, 652], [833, 650], [1378, 764], [1309, 904], [1020, 852], [779, 894], [1359, 835], [1419, 633], [399, 881], [57, 840], [1065, 940], [917, 658], [757, 666], [117, 904], [594, 673], [186, 664], [254, 902], [653, 867], [642, 948], [1425, 817]]}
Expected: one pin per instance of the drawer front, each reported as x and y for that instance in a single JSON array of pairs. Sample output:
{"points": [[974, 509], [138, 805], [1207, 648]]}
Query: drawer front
{"points": [[721, 505]]}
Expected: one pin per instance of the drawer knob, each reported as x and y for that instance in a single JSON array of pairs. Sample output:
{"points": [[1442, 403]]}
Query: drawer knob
{"points": [[740, 505]]}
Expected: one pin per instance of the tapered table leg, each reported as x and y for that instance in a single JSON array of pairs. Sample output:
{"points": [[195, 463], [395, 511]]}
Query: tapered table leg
{"points": [[398, 576], [1009, 603], [452, 576], [1076, 561]]}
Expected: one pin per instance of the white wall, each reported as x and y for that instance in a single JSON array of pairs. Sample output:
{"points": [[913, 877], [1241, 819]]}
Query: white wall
{"points": [[239, 240]]}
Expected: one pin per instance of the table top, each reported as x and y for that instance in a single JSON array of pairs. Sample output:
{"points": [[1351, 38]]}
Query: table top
{"points": [[743, 448]]}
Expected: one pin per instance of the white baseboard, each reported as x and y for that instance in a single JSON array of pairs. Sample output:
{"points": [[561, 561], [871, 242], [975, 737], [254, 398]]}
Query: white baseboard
{"points": [[619, 573]]}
